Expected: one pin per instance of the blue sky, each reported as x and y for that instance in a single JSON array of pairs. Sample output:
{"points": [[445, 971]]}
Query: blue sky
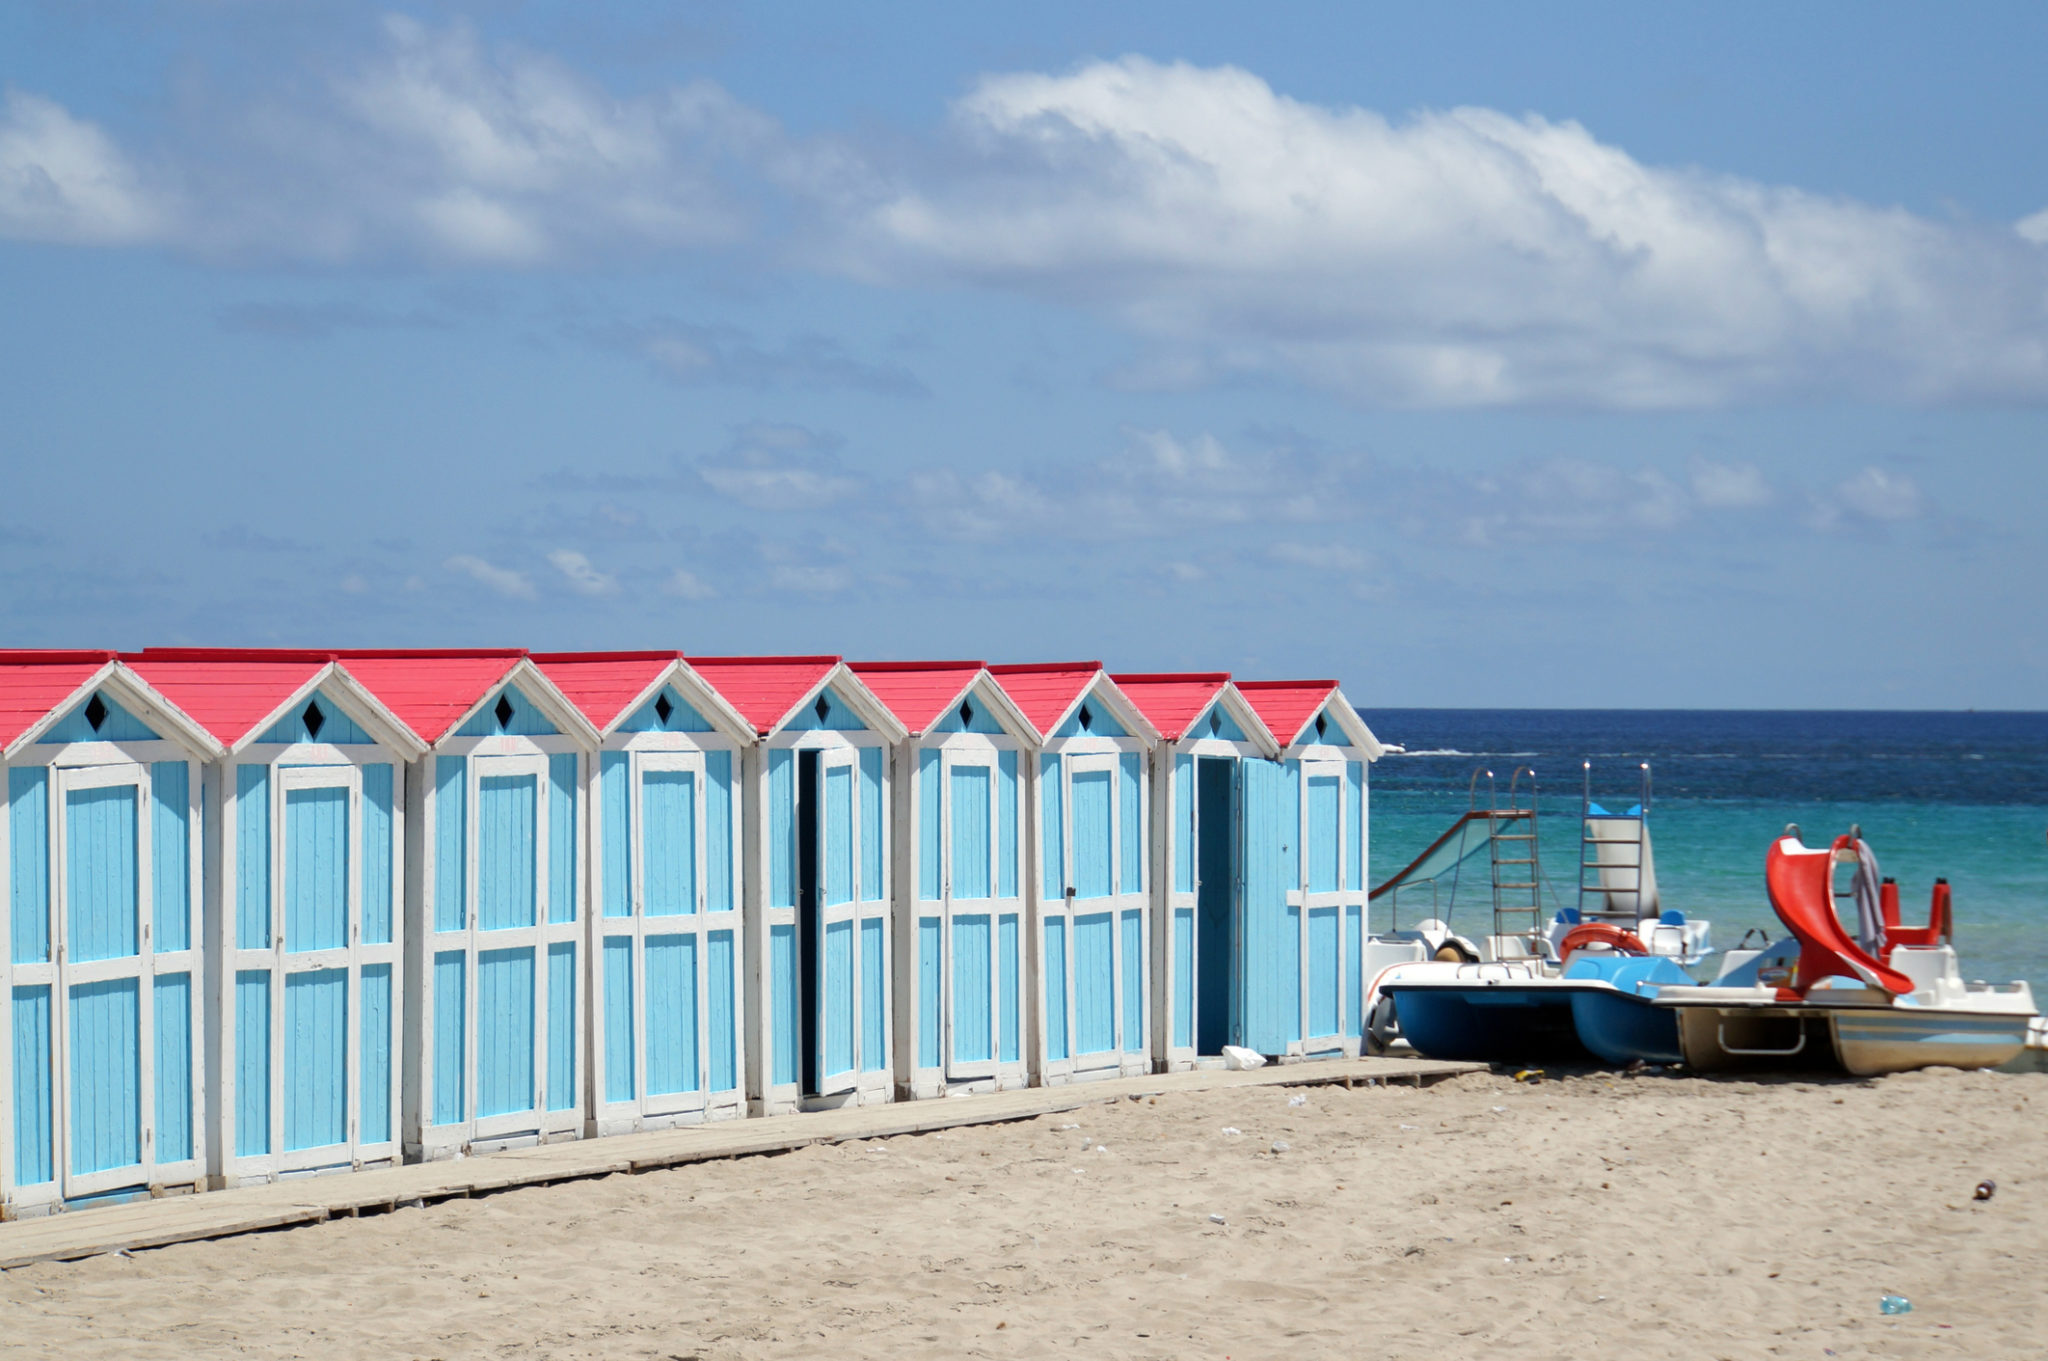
{"points": [[1477, 355]]}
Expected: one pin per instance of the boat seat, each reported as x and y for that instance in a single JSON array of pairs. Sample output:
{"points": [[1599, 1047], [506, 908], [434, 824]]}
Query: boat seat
{"points": [[1940, 921]]}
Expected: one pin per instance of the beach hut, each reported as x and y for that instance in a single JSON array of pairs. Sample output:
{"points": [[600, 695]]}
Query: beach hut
{"points": [[666, 885], [1304, 919], [101, 856], [1209, 738], [304, 910], [1089, 858], [495, 1012], [960, 773], [815, 807]]}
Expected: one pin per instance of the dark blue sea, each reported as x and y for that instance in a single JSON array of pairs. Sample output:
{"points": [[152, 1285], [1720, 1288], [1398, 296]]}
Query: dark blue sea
{"points": [[1963, 795]]}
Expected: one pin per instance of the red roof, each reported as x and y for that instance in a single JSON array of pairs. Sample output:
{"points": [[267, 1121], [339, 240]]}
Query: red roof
{"points": [[763, 689], [918, 693], [1286, 707], [603, 684], [1044, 691], [429, 690], [227, 695], [1173, 701], [33, 683]]}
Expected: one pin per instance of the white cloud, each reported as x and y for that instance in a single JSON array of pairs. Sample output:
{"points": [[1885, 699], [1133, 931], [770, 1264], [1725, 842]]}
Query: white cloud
{"points": [[583, 578], [1879, 495], [810, 579], [1729, 486], [63, 179], [1457, 258], [503, 580], [2034, 228], [781, 468], [1158, 484], [687, 585], [437, 146]]}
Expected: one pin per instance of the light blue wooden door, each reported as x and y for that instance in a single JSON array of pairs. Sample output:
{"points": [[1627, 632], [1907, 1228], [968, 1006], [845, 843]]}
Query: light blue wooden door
{"points": [[508, 880], [969, 804], [105, 1136], [984, 912], [314, 1097], [1092, 797], [1096, 911], [838, 949], [1321, 882]]}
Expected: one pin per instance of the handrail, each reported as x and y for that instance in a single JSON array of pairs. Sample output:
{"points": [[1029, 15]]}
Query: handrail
{"points": [[1721, 1037]]}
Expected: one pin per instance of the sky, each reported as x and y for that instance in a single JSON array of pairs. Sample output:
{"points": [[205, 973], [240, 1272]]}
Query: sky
{"points": [[1477, 355]]}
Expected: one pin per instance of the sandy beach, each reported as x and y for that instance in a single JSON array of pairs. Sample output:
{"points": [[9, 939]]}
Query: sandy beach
{"points": [[1639, 1216]]}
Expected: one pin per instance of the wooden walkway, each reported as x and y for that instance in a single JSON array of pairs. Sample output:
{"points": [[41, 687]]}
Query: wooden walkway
{"points": [[312, 1200]]}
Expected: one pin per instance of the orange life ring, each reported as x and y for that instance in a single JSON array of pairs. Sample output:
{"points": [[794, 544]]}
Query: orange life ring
{"points": [[1605, 935]]}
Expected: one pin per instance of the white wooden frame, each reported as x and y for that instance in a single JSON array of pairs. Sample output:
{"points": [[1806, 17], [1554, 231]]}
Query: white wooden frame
{"points": [[649, 753], [870, 1087], [1077, 755], [301, 766], [499, 754], [1321, 762], [1172, 1057], [86, 765], [983, 750]]}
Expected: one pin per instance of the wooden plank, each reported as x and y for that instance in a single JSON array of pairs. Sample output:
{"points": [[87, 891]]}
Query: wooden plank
{"points": [[311, 1200]]}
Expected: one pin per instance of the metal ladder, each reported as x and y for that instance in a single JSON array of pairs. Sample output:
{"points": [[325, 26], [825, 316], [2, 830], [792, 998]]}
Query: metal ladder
{"points": [[1595, 895], [1516, 869]]}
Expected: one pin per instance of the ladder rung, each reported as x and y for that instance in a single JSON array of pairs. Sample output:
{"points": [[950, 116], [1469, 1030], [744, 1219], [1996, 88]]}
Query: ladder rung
{"points": [[1510, 886], [1518, 860], [1514, 836]]}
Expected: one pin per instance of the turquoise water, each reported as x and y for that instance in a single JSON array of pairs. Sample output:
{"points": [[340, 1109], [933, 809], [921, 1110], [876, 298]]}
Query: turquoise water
{"points": [[1961, 795]]}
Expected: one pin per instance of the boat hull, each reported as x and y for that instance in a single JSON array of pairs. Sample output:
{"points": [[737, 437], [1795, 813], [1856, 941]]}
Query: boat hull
{"points": [[1861, 1041], [1748, 1039], [1873, 1042], [1621, 1028], [1498, 1022]]}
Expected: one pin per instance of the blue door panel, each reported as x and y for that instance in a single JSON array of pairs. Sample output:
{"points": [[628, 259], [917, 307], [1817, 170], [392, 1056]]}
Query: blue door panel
{"points": [[315, 1058], [668, 842], [105, 891], [972, 1001], [106, 1074], [172, 994], [507, 858], [1056, 988], [316, 855], [504, 1028], [373, 1124], [671, 1025], [1094, 982]]}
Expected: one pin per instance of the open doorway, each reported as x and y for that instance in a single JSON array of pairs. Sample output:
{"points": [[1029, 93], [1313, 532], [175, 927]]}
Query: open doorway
{"points": [[1215, 901], [807, 912]]}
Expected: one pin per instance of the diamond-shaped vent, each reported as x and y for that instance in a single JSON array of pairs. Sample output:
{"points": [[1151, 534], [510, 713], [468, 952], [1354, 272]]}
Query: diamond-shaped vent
{"points": [[315, 720], [966, 713], [1215, 723], [1087, 719], [1322, 726], [662, 709], [503, 711], [822, 708], [95, 712]]}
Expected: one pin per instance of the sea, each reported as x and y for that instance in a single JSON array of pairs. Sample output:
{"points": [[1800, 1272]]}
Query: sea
{"points": [[1960, 795]]}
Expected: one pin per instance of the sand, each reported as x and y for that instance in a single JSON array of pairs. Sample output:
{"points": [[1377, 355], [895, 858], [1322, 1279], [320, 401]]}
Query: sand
{"points": [[1644, 1216]]}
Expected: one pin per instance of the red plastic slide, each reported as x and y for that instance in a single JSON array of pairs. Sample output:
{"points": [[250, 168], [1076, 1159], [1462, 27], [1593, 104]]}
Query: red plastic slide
{"points": [[1801, 883]]}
